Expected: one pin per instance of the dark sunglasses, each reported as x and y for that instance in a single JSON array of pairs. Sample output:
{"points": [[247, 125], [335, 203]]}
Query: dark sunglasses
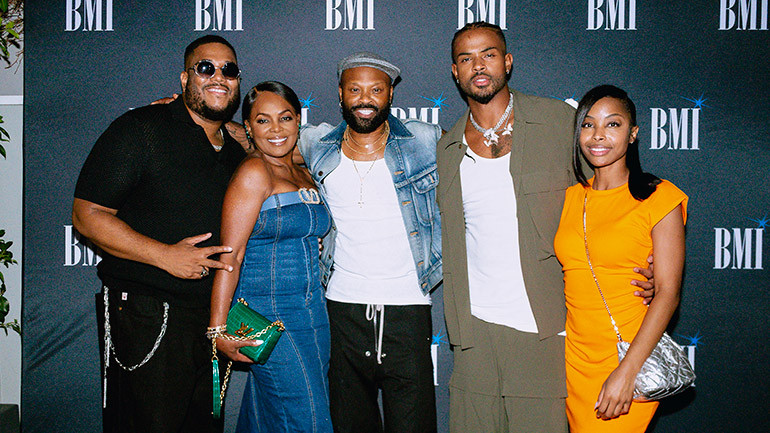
{"points": [[206, 69]]}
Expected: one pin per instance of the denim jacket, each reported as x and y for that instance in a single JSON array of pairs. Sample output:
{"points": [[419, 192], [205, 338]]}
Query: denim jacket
{"points": [[411, 158]]}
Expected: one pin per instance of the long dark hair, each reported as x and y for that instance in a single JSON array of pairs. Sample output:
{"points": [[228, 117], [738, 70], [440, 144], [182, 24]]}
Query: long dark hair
{"points": [[276, 87], [640, 184]]}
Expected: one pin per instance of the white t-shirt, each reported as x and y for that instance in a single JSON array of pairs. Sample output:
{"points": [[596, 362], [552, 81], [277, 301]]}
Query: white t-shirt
{"points": [[373, 262], [495, 278]]}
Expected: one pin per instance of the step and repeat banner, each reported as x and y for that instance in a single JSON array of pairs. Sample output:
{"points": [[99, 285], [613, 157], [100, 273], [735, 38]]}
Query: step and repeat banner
{"points": [[698, 72]]}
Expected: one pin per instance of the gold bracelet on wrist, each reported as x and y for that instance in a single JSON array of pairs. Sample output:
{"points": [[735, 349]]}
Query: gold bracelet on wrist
{"points": [[212, 332]]}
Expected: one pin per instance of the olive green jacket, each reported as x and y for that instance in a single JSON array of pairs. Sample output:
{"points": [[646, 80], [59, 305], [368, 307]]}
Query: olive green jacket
{"points": [[541, 158]]}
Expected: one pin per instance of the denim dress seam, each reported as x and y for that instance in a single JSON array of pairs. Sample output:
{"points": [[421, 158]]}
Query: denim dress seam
{"points": [[312, 214]]}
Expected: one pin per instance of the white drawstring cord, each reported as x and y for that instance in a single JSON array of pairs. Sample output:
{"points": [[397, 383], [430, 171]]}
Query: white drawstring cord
{"points": [[371, 314]]}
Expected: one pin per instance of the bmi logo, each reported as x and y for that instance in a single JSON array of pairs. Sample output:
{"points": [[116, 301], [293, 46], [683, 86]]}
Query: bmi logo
{"points": [[738, 247], [218, 15], [611, 14], [689, 348], [434, 346], [491, 11], [743, 14], [307, 105], [79, 250], [349, 14], [676, 128], [426, 114], [88, 15]]}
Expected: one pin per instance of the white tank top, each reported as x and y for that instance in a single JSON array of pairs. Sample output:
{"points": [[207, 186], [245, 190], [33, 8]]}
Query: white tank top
{"points": [[373, 262], [495, 279]]}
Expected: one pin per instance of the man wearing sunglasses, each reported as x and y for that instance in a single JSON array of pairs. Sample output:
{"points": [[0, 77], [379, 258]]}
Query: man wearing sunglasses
{"points": [[149, 195]]}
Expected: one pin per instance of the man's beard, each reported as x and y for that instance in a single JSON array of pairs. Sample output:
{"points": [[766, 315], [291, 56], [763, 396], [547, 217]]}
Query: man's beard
{"points": [[193, 98], [365, 126], [496, 84]]}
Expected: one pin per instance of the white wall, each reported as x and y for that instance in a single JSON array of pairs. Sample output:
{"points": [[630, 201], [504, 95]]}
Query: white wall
{"points": [[11, 183]]}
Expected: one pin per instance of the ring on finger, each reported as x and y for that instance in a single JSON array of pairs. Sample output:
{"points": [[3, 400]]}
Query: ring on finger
{"points": [[204, 272]]}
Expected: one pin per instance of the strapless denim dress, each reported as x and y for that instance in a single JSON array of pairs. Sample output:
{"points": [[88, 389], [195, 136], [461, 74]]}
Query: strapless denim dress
{"points": [[280, 279]]}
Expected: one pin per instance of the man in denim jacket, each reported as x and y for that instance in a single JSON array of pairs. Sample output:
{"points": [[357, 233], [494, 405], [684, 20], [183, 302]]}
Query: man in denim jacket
{"points": [[383, 256]]}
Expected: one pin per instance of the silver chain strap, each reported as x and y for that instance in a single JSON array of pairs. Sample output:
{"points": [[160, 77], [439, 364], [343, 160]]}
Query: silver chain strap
{"points": [[590, 266], [110, 348]]}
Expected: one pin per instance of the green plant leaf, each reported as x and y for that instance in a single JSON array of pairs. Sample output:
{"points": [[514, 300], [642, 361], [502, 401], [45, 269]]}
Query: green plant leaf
{"points": [[4, 6], [5, 307], [15, 326]]}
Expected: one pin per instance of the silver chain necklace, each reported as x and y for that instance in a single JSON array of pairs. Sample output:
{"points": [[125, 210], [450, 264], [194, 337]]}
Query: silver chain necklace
{"points": [[490, 135], [218, 147]]}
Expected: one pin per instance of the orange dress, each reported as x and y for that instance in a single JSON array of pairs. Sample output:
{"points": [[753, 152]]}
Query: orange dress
{"points": [[619, 231]]}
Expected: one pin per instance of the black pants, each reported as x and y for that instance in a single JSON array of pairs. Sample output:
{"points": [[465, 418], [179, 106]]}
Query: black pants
{"points": [[172, 392], [405, 375]]}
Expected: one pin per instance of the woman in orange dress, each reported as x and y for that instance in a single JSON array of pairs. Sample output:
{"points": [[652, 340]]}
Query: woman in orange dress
{"points": [[628, 214]]}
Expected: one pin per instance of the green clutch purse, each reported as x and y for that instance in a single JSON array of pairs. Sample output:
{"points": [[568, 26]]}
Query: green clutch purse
{"points": [[243, 323], [247, 324]]}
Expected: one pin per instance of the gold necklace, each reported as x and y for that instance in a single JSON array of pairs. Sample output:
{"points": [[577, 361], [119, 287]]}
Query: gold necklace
{"points": [[361, 180], [348, 138], [365, 153]]}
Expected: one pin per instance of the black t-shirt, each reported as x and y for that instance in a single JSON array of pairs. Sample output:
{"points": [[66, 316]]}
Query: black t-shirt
{"points": [[158, 169]]}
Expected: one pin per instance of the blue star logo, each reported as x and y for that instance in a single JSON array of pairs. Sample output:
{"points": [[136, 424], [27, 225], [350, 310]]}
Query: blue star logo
{"points": [[699, 102], [761, 222], [439, 338], [692, 341], [308, 102], [437, 102], [570, 100]]}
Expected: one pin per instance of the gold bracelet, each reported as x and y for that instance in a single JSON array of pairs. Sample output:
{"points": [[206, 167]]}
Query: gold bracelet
{"points": [[213, 332]]}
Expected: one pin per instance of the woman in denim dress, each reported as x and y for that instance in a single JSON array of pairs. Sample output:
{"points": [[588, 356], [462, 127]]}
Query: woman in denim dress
{"points": [[273, 218]]}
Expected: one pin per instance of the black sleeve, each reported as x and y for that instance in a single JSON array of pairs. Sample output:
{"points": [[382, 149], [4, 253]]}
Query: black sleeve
{"points": [[114, 165]]}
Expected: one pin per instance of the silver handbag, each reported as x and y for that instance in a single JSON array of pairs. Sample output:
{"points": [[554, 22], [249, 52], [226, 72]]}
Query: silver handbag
{"points": [[667, 371]]}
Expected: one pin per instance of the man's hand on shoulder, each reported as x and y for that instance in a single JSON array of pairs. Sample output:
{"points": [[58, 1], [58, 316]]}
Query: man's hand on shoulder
{"points": [[166, 100], [238, 132]]}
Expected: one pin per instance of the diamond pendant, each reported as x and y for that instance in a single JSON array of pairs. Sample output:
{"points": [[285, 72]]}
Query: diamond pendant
{"points": [[490, 137], [361, 197]]}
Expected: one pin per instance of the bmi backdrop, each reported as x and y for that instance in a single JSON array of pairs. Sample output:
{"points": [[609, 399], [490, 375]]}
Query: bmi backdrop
{"points": [[698, 71]]}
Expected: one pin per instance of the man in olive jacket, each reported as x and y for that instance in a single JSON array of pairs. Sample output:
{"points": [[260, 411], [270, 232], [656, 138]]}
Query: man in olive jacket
{"points": [[498, 232]]}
